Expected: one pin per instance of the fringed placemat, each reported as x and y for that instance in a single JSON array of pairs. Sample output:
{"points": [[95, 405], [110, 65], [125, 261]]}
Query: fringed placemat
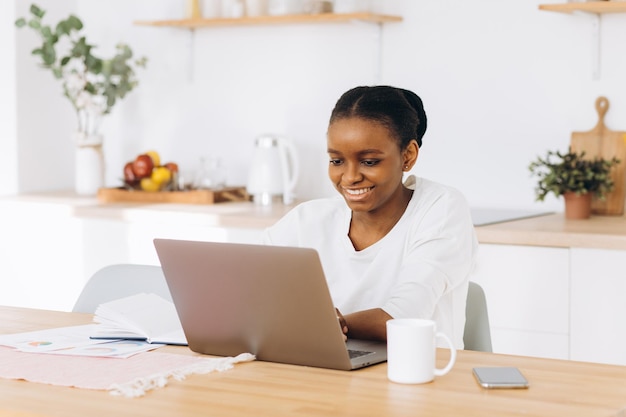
{"points": [[130, 377]]}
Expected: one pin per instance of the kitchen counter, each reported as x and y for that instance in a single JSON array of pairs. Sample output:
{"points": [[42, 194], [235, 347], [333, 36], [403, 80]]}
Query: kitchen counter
{"points": [[553, 230], [245, 215], [548, 230]]}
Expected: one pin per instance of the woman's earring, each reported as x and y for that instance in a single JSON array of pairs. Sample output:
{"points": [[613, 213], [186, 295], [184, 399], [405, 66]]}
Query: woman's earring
{"points": [[406, 167]]}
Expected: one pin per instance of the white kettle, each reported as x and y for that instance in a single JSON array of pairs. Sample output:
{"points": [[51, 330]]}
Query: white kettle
{"points": [[274, 170]]}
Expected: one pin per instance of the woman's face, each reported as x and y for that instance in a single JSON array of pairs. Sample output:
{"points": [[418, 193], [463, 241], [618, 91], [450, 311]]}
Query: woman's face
{"points": [[366, 163]]}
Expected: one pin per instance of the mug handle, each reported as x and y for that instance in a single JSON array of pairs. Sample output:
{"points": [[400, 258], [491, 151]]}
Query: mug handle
{"points": [[440, 372]]}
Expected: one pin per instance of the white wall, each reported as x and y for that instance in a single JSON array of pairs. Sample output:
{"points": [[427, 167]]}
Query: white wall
{"points": [[502, 82], [44, 116], [8, 92]]}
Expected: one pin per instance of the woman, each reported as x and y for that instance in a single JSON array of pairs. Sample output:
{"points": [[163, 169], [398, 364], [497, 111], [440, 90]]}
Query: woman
{"points": [[389, 249]]}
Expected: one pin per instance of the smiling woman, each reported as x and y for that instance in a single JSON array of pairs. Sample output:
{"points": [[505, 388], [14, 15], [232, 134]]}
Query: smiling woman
{"points": [[390, 247], [368, 171]]}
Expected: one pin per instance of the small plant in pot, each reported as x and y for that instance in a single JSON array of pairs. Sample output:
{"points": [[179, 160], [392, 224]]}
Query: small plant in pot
{"points": [[576, 178]]}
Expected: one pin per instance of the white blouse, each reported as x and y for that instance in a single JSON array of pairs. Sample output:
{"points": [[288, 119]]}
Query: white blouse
{"points": [[419, 269]]}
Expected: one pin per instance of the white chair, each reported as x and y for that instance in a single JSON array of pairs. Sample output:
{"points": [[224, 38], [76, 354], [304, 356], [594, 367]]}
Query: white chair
{"points": [[477, 335], [118, 281]]}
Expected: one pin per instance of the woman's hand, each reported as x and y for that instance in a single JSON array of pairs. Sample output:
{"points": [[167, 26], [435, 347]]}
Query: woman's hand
{"points": [[368, 324], [343, 324]]}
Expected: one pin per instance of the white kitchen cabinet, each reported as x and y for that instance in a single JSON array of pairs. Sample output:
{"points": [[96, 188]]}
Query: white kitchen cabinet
{"points": [[107, 241], [598, 313], [48, 251], [530, 343], [41, 255], [527, 290], [566, 303], [115, 241]]}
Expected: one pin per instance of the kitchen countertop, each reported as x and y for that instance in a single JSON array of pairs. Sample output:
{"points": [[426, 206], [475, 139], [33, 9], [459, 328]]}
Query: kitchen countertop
{"points": [[509, 227], [229, 214], [553, 230]]}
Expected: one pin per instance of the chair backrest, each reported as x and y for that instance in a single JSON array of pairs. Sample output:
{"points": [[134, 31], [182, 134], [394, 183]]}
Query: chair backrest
{"points": [[477, 335], [118, 281]]}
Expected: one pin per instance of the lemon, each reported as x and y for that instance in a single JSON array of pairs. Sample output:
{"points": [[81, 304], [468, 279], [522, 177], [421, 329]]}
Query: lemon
{"points": [[161, 175], [156, 158], [148, 185]]}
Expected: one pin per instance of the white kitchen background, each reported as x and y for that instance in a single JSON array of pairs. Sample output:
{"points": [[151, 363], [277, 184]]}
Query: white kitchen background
{"points": [[501, 81]]}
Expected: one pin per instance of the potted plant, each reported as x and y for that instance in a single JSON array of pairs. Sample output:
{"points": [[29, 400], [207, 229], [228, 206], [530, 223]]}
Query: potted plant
{"points": [[93, 85], [575, 177]]}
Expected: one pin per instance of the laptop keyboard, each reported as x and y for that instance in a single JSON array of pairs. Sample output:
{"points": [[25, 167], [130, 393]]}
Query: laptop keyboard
{"points": [[357, 353]]}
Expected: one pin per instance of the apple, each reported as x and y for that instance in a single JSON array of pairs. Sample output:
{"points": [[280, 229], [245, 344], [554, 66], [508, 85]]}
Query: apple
{"points": [[172, 166], [142, 166], [129, 175]]}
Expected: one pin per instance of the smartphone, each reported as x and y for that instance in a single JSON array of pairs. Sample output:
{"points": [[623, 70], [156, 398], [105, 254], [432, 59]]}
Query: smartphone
{"points": [[500, 377]]}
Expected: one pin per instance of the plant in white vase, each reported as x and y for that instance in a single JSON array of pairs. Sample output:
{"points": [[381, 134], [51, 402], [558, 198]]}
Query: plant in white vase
{"points": [[93, 85]]}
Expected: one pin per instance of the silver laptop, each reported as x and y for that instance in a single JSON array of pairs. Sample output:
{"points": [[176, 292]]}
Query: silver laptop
{"points": [[270, 301]]}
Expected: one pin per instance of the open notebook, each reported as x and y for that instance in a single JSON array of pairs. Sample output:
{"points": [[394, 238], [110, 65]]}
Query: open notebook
{"points": [[270, 301], [141, 316]]}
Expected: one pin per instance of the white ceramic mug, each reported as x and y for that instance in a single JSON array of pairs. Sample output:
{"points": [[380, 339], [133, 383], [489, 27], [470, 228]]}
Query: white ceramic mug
{"points": [[411, 351]]}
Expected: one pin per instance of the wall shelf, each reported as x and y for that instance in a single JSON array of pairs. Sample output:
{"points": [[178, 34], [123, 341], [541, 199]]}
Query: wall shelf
{"points": [[201, 23], [598, 7], [594, 9], [272, 20]]}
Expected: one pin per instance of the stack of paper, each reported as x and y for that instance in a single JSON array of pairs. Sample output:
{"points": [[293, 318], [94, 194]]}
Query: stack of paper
{"points": [[73, 341]]}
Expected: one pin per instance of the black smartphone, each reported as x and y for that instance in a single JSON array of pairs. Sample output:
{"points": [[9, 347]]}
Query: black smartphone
{"points": [[500, 377]]}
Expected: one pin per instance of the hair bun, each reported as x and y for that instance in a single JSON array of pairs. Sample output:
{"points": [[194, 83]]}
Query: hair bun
{"points": [[416, 102]]}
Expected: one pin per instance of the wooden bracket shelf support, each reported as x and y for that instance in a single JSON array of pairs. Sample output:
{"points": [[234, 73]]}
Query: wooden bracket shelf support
{"points": [[594, 10]]}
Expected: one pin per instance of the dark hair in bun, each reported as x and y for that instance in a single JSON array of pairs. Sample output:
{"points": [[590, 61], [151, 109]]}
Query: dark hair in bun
{"points": [[401, 111]]}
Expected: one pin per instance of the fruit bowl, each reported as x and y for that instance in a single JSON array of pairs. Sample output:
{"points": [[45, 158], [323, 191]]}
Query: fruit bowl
{"points": [[146, 180], [146, 173]]}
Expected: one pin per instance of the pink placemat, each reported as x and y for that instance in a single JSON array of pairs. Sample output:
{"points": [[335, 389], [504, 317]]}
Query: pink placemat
{"points": [[130, 377]]}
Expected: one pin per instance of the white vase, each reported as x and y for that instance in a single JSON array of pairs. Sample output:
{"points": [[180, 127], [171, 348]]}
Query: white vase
{"points": [[89, 165]]}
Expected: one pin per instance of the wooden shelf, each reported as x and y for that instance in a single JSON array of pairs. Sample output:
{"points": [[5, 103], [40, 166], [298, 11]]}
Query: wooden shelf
{"points": [[598, 7], [272, 20], [594, 9]]}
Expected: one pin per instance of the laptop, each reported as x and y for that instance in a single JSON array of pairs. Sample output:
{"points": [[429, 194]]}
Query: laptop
{"points": [[270, 301]]}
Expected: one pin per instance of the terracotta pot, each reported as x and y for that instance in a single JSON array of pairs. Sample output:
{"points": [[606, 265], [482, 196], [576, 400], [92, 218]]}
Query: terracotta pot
{"points": [[577, 206]]}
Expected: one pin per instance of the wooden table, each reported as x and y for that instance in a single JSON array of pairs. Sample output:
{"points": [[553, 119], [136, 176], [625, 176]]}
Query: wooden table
{"points": [[558, 388]]}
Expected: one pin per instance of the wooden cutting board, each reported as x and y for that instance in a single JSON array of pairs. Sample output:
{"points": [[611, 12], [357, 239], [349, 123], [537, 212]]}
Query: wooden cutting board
{"points": [[117, 195], [605, 143]]}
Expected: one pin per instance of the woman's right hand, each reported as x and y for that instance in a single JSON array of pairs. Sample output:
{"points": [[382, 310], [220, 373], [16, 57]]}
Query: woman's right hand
{"points": [[343, 324]]}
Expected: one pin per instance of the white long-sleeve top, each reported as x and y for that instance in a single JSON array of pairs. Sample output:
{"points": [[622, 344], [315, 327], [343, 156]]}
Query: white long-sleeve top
{"points": [[419, 269]]}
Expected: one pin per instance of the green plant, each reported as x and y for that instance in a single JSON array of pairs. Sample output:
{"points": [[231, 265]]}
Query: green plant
{"points": [[560, 173], [93, 85]]}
